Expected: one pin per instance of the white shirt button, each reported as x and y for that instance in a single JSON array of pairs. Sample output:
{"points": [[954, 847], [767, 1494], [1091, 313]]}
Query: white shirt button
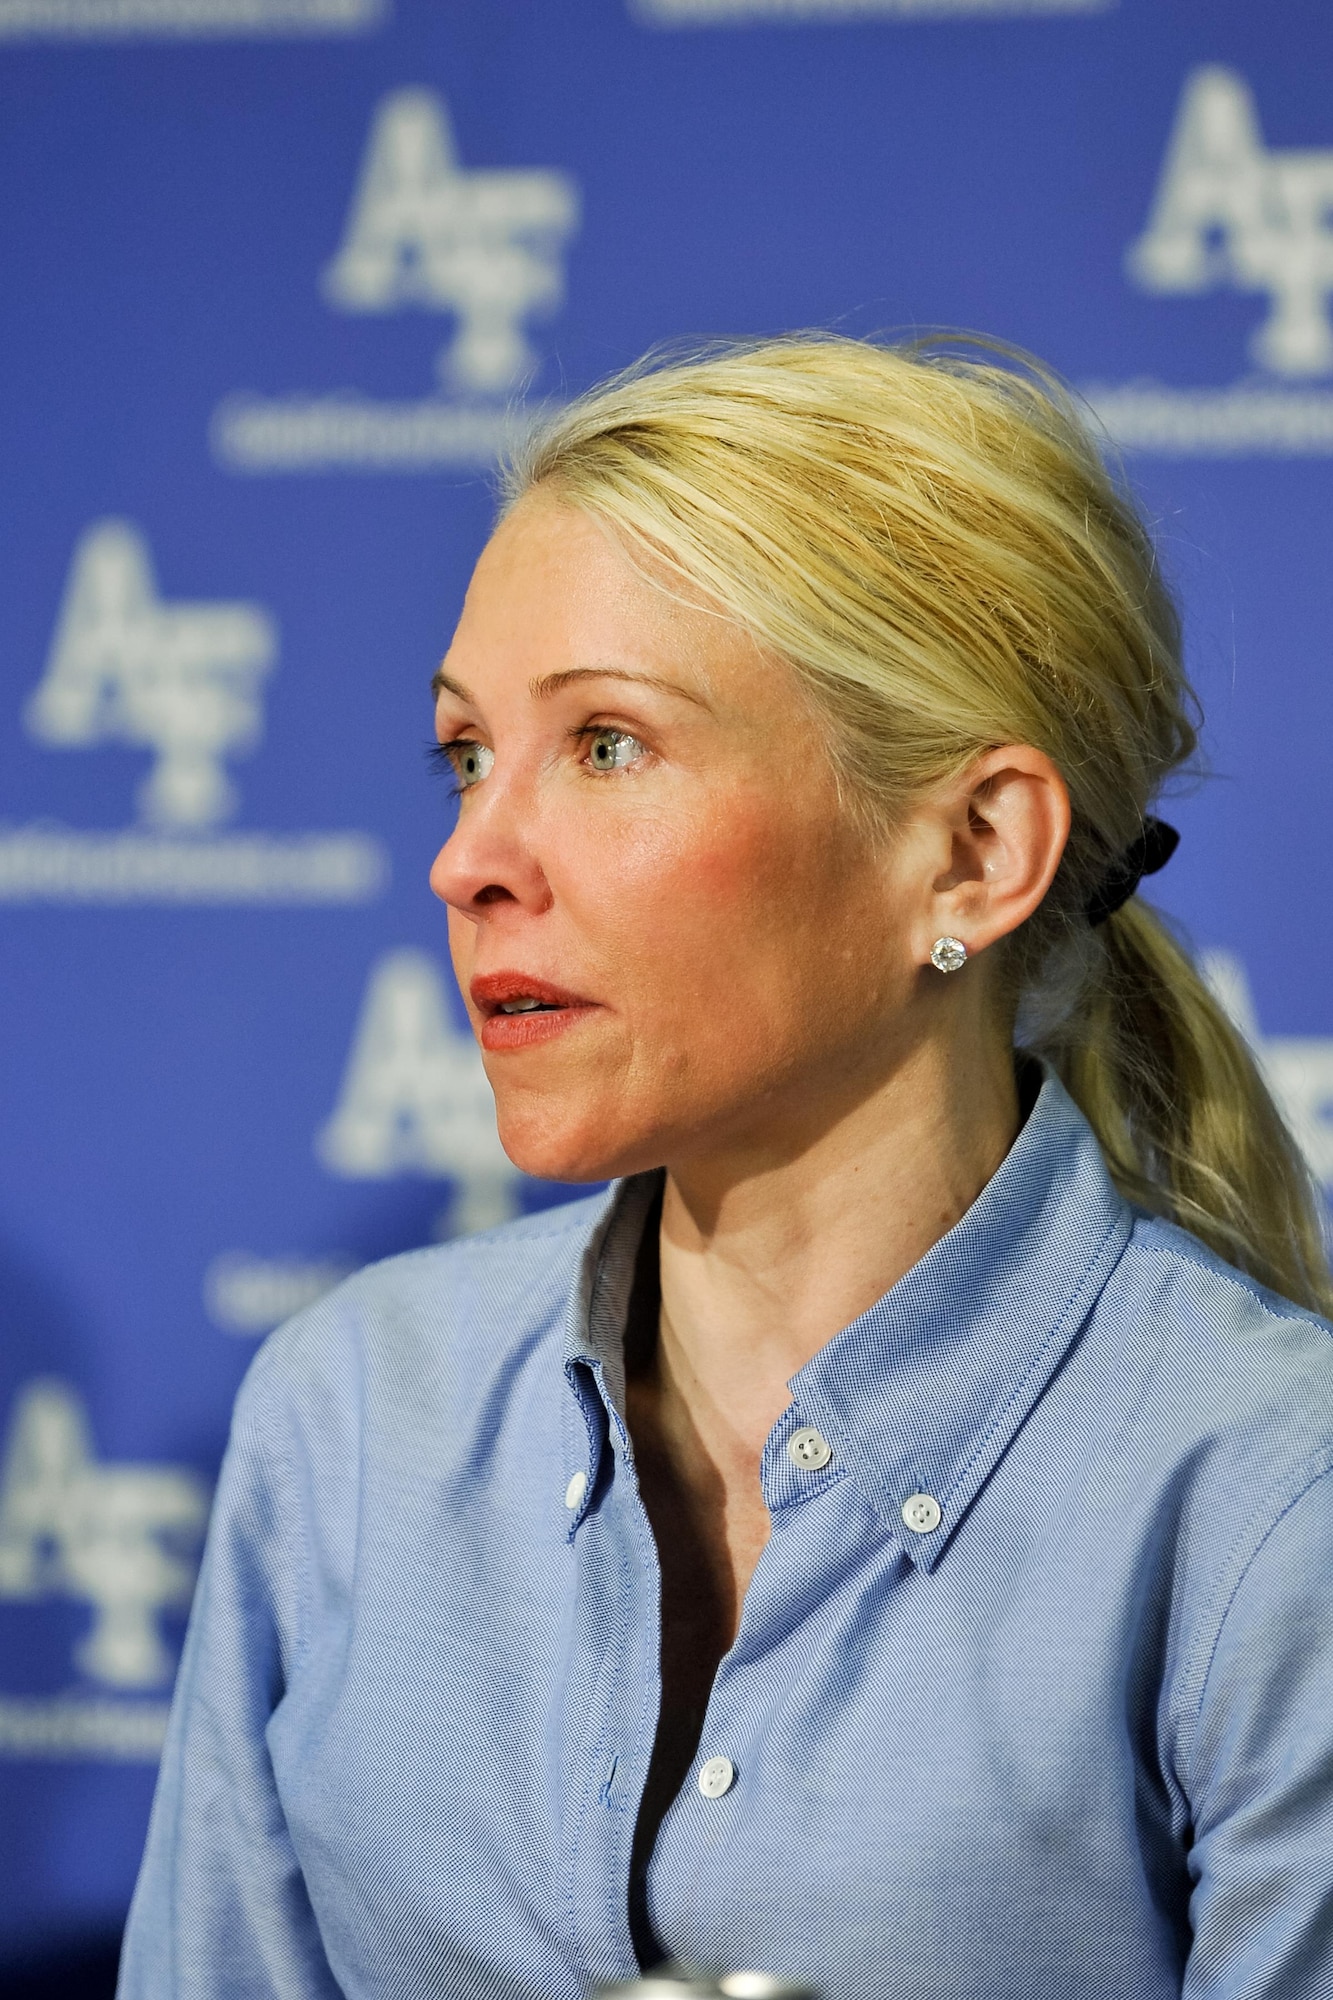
{"points": [[575, 1490], [921, 1511], [717, 1776], [809, 1449]]}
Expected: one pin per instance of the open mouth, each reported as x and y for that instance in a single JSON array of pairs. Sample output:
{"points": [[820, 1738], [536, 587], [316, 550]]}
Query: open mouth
{"points": [[519, 1010], [519, 993]]}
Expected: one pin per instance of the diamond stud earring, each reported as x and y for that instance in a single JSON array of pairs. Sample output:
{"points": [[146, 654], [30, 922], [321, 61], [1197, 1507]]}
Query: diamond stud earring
{"points": [[948, 954]]}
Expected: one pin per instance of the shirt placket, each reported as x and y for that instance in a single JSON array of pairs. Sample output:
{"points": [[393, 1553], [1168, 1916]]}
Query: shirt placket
{"points": [[709, 1818], [614, 1696]]}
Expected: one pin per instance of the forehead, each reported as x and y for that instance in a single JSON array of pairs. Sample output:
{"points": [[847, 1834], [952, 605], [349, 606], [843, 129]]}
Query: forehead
{"points": [[555, 589]]}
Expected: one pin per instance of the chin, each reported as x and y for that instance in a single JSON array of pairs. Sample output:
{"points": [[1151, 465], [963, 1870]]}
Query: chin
{"points": [[558, 1143]]}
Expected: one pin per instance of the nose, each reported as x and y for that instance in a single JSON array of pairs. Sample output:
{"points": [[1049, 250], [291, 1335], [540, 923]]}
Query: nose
{"points": [[488, 861]]}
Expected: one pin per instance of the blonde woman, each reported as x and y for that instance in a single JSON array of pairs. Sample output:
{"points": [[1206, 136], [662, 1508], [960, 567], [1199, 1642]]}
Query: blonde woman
{"points": [[888, 1537]]}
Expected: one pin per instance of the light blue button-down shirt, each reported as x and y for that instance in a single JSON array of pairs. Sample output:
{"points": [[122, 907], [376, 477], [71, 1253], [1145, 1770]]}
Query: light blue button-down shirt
{"points": [[1076, 1740]]}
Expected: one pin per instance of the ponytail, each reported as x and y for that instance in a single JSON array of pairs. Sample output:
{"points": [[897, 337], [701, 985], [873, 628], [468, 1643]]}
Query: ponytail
{"points": [[1185, 1121], [930, 538]]}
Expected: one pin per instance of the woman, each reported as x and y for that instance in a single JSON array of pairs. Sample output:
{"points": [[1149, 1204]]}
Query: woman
{"points": [[887, 1538]]}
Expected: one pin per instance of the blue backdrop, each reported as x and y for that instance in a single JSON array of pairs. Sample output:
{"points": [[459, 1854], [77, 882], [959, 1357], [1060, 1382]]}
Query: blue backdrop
{"points": [[278, 275]]}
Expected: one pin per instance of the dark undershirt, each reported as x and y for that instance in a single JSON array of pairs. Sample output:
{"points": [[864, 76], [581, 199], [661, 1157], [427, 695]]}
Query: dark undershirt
{"points": [[641, 1326]]}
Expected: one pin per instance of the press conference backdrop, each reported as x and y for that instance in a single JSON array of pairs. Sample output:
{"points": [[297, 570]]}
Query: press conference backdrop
{"points": [[279, 278]]}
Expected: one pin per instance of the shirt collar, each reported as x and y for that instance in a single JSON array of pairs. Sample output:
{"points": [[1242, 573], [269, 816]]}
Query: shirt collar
{"points": [[924, 1392], [594, 1336]]}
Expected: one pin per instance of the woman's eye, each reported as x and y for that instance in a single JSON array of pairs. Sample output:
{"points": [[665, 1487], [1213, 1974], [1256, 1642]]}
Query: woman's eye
{"points": [[471, 761], [612, 749]]}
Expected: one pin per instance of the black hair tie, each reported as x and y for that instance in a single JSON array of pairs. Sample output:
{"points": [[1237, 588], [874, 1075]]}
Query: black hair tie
{"points": [[1144, 856]]}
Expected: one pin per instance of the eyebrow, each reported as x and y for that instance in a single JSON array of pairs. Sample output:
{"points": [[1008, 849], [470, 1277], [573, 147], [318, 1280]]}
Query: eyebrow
{"points": [[443, 683], [545, 685]]}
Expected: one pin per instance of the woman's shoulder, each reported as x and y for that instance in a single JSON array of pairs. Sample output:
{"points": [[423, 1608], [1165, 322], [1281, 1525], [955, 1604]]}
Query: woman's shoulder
{"points": [[1215, 1298], [1227, 1355], [473, 1276], [429, 1327], [1216, 1397]]}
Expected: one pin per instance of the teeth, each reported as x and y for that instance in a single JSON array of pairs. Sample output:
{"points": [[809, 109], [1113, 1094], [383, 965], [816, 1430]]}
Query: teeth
{"points": [[520, 1006]]}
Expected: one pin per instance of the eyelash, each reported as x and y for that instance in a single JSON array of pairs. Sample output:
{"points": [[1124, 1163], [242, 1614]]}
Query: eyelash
{"points": [[441, 764], [440, 759]]}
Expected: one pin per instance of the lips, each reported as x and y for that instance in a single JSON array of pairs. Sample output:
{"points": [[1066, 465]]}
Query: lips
{"points": [[519, 1010]]}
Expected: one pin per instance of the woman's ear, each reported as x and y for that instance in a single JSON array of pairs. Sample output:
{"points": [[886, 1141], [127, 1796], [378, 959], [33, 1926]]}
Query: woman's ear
{"points": [[1005, 820]]}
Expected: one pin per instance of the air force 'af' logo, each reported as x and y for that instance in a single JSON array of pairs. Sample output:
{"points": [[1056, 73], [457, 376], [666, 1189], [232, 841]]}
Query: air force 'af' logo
{"points": [[424, 232], [1229, 212], [122, 1538], [415, 1099], [180, 679], [183, 680]]}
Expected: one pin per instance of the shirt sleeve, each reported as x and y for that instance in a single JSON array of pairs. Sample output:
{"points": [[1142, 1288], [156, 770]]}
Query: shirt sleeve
{"points": [[1260, 1771], [221, 1911]]}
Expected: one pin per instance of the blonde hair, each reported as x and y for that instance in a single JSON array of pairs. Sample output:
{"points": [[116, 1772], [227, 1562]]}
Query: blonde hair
{"points": [[928, 535]]}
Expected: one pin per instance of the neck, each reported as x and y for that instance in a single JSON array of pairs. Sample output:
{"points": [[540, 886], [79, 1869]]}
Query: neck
{"points": [[765, 1257]]}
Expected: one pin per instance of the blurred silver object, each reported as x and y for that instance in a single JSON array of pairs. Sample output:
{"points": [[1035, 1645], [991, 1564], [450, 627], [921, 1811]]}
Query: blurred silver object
{"points": [[674, 1983]]}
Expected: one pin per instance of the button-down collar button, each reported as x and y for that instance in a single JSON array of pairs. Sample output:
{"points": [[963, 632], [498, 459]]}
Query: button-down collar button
{"points": [[575, 1490], [809, 1449], [717, 1776], [921, 1511]]}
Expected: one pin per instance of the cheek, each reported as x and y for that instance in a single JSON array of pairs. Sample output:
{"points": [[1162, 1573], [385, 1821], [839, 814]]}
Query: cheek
{"points": [[773, 936], [687, 870], [715, 903]]}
